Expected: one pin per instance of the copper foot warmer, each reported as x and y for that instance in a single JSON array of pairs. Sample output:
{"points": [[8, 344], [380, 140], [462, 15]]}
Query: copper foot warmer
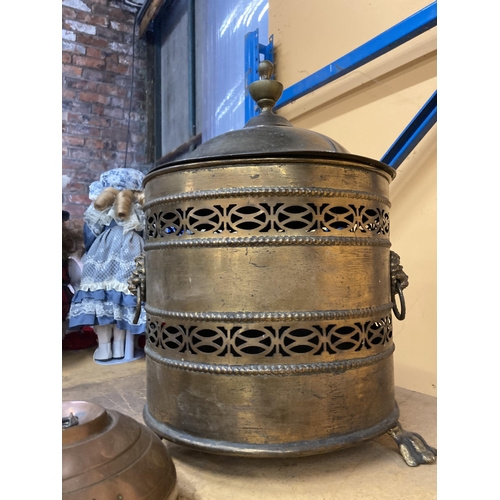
{"points": [[269, 286], [109, 455]]}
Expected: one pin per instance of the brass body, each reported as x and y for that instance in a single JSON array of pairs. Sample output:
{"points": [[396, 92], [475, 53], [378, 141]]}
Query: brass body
{"points": [[268, 295], [108, 455]]}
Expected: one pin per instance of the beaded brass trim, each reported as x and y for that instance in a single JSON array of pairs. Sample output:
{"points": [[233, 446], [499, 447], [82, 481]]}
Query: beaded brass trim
{"points": [[225, 193], [276, 369], [271, 241], [253, 317]]}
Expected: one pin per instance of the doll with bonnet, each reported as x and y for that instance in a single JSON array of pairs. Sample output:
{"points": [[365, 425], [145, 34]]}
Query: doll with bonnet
{"points": [[114, 223]]}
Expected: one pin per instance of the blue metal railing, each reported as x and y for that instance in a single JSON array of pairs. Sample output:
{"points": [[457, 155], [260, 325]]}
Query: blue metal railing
{"points": [[253, 50], [412, 134], [399, 34], [402, 32]]}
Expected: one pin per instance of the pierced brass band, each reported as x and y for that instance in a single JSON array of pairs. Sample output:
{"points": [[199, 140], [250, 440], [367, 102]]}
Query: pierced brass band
{"points": [[270, 341], [320, 219]]}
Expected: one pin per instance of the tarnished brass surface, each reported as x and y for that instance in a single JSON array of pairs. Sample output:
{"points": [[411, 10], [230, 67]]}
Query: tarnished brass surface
{"points": [[268, 413], [269, 293], [108, 455], [269, 305]]}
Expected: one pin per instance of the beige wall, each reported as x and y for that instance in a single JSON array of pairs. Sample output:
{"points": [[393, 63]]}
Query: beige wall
{"points": [[365, 111]]}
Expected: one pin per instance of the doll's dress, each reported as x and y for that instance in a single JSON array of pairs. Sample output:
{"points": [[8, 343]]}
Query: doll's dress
{"points": [[111, 246]]}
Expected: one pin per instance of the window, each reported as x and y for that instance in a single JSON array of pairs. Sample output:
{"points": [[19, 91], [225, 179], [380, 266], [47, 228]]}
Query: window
{"points": [[198, 69]]}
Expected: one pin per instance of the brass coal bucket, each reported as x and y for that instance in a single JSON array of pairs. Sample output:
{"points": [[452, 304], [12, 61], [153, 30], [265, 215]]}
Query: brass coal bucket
{"points": [[269, 286]]}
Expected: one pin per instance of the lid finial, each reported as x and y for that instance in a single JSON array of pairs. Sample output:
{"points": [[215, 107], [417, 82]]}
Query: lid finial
{"points": [[265, 92]]}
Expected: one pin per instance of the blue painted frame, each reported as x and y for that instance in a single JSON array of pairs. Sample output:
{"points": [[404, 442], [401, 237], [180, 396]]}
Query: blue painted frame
{"points": [[253, 50]]}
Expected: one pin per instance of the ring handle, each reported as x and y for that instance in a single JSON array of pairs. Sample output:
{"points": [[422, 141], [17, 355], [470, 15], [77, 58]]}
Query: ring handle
{"points": [[399, 281], [137, 305], [401, 315], [137, 285]]}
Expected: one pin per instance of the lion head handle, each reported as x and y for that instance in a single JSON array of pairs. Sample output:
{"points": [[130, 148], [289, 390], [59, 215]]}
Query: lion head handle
{"points": [[399, 281], [137, 284], [397, 273]]}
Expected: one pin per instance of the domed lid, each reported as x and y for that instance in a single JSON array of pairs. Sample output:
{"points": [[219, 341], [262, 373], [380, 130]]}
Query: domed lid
{"points": [[269, 135], [267, 132]]}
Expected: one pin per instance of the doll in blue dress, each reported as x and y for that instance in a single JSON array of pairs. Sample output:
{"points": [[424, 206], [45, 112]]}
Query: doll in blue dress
{"points": [[113, 235]]}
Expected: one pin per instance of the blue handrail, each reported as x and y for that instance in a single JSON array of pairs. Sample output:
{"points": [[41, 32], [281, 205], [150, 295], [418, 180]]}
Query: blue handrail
{"points": [[412, 134], [253, 50], [400, 33]]}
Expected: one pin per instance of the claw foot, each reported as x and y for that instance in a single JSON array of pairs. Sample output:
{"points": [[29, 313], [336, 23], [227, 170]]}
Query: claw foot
{"points": [[412, 446]]}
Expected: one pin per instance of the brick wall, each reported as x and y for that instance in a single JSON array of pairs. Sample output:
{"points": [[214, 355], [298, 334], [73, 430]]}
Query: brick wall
{"points": [[97, 40]]}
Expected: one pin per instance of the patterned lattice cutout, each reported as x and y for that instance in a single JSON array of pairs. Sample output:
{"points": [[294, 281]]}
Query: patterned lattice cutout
{"points": [[269, 341], [267, 218]]}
